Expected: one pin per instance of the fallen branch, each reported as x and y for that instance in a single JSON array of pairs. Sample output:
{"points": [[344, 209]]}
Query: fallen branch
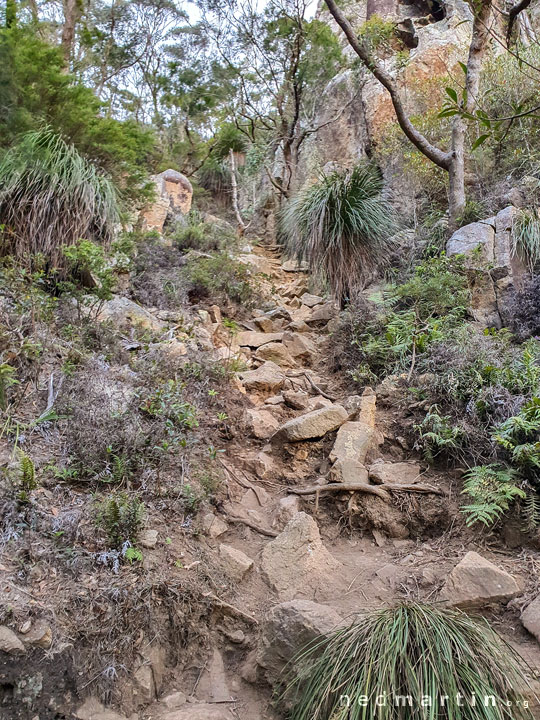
{"points": [[379, 490], [252, 525], [315, 387], [228, 606]]}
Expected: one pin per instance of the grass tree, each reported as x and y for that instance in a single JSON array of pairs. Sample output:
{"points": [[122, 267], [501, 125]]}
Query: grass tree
{"points": [[341, 226], [411, 662], [50, 197]]}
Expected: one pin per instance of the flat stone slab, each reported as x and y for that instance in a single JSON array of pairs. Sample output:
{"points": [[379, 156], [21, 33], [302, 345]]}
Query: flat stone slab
{"points": [[353, 441], [252, 339], [314, 424]]}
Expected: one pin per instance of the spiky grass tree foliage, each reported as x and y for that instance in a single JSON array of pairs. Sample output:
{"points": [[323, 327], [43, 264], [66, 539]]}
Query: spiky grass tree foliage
{"points": [[411, 662], [341, 226], [51, 196]]}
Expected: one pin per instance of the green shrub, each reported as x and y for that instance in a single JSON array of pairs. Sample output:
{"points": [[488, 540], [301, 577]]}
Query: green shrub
{"points": [[410, 651], [38, 92], [341, 226], [520, 438], [220, 275], [438, 435], [167, 401], [50, 196], [121, 517], [198, 235], [390, 332]]}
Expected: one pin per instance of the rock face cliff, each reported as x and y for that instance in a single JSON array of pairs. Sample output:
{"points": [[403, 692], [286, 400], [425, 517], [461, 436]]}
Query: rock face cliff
{"points": [[356, 114]]}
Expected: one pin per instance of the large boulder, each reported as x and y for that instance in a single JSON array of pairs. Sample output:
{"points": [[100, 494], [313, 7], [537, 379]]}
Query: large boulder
{"points": [[476, 582], [495, 270], [125, 315], [297, 562], [287, 628], [173, 198], [314, 424]]}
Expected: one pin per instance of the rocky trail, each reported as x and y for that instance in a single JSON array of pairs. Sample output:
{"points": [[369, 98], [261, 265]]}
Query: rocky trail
{"points": [[328, 512]]}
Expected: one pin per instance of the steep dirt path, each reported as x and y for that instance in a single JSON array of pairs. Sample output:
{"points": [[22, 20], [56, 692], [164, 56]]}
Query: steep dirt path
{"points": [[278, 540]]}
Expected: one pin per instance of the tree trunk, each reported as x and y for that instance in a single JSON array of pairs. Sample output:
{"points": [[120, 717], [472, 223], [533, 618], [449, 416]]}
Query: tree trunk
{"points": [[456, 173], [234, 187], [71, 15]]}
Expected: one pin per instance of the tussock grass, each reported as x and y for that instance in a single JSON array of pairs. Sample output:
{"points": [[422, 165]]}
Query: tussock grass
{"points": [[341, 226], [411, 650], [526, 238], [51, 196]]}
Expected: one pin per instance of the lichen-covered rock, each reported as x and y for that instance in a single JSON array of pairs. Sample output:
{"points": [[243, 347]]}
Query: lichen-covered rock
{"points": [[353, 442]]}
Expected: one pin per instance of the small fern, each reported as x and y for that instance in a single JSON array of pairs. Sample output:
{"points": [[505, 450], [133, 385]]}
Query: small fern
{"points": [[530, 511], [520, 436], [492, 489], [436, 434], [26, 477], [121, 518]]}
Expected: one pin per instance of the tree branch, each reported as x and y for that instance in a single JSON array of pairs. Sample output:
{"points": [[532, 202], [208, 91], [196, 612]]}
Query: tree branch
{"points": [[514, 11], [433, 153]]}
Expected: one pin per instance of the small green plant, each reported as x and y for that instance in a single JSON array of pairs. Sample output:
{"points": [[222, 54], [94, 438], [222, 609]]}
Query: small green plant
{"points": [[120, 516], [520, 437], [341, 226], [84, 260], [168, 401], [377, 33], [26, 478], [406, 654], [220, 275], [133, 554], [7, 380], [492, 490]]}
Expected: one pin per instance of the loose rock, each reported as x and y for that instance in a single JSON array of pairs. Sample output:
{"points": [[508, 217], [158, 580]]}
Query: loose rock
{"points": [[266, 378], [530, 618], [400, 472], [9, 642], [234, 563], [262, 424], [353, 441], [314, 424], [256, 339], [287, 628], [297, 561], [475, 582]]}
